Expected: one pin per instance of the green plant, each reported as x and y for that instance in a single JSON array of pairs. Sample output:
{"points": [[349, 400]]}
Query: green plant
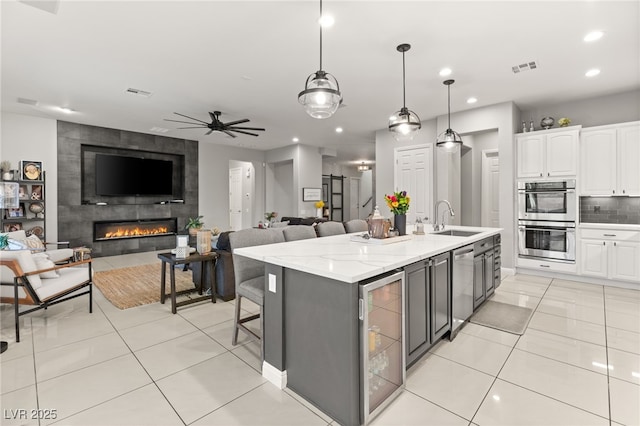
{"points": [[4, 241], [194, 223]]}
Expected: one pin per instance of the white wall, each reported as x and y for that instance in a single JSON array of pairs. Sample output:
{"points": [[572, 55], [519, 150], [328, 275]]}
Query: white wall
{"points": [[34, 138], [283, 190], [609, 109], [213, 186]]}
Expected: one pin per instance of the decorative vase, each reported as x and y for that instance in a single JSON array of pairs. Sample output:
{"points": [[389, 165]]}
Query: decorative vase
{"points": [[319, 213], [194, 231], [203, 239], [400, 223], [547, 122]]}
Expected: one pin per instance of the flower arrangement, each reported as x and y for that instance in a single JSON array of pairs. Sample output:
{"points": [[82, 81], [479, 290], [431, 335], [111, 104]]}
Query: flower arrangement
{"points": [[563, 122], [398, 203], [319, 204], [270, 216]]}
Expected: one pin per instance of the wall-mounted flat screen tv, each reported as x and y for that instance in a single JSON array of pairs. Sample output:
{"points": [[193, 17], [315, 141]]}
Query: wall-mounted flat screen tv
{"points": [[123, 175]]}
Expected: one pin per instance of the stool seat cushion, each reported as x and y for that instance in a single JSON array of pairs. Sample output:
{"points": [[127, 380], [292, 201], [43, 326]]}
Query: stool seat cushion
{"points": [[252, 289]]}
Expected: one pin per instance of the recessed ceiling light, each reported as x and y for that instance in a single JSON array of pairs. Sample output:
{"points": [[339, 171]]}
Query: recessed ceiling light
{"points": [[66, 110], [593, 36], [592, 73], [295, 140], [338, 129], [326, 21], [445, 72], [472, 100]]}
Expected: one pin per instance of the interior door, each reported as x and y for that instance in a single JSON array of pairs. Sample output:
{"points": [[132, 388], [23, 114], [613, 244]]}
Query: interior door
{"points": [[490, 202], [414, 174], [235, 198], [354, 198]]}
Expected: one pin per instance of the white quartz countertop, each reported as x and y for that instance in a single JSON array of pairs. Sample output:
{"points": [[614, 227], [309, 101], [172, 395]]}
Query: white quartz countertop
{"points": [[339, 258]]}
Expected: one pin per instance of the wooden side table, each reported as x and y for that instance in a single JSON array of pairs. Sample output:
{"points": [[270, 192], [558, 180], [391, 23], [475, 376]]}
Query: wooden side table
{"points": [[206, 260]]}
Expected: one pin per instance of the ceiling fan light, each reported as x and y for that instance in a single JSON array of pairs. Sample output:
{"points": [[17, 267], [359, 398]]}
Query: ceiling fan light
{"points": [[321, 96]]}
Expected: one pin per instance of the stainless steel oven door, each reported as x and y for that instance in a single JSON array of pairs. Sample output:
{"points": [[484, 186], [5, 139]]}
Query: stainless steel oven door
{"points": [[547, 240], [547, 205]]}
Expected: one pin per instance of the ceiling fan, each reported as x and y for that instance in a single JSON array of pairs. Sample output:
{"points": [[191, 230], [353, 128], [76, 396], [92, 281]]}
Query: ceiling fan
{"points": [[218, 126]]}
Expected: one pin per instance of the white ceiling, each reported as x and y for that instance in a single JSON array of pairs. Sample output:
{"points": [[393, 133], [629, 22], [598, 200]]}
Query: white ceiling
{"points": [[250, 60]]}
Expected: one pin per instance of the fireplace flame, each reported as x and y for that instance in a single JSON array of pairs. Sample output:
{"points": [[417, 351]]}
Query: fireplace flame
{"points": [[136, 232]]}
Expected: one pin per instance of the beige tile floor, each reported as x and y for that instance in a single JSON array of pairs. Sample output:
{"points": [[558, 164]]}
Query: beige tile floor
{"points": [[578, 363]]}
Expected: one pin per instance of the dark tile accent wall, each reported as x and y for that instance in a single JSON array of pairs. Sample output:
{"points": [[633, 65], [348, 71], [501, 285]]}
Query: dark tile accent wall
{"points": [[621, 210], [78, 211]]}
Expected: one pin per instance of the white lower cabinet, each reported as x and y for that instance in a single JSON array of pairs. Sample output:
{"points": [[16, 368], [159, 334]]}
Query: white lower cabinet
{"points": [[611, 254]]}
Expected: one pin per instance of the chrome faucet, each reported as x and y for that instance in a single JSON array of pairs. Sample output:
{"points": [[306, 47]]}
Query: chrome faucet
{"points": [[436, 226]]}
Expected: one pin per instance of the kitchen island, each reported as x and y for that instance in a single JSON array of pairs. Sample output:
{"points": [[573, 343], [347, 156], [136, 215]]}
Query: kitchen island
{"points": [[312, 334]]}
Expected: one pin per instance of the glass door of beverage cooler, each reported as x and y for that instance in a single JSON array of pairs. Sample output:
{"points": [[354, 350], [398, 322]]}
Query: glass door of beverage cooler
{"points": [[382, 343]]}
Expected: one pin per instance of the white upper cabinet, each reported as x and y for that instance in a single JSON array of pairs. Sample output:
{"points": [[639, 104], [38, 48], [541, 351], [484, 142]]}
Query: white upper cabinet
{"points": [[610, 159], [548, 153]]}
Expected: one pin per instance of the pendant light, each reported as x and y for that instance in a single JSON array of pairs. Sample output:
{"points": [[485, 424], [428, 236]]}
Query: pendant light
{"points": [[449, 140], [321, 96], [363, 167], [404, 123]]}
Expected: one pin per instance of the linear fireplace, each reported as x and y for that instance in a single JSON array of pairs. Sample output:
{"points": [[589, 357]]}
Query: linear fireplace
{"points": [[122, 229]]}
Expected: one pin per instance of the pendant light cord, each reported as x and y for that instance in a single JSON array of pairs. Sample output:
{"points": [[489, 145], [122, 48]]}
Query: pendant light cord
{"points": [[320, 35], [449, 105], [404, 93]]}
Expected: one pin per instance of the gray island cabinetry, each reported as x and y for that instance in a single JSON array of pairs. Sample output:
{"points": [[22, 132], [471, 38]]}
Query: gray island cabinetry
{"points": [[428, 302], [333, 344]]}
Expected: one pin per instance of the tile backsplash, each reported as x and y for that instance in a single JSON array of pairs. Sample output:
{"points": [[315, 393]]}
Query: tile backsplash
{"points": [[623, 210]]}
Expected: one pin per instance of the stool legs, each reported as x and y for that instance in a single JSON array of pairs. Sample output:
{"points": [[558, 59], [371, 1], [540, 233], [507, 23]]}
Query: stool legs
{"points": [[236, 318]]}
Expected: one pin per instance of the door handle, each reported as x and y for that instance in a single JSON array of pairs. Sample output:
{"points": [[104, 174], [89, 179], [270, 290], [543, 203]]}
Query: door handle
{"points": [[609, 235], [545, 266]]}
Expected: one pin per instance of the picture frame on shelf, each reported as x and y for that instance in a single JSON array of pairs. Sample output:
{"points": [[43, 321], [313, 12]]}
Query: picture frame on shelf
{"points": [[311, 194], [16, 212], [31, 170], [9, 195], [23, 192], [11, 227], [36, 192]]}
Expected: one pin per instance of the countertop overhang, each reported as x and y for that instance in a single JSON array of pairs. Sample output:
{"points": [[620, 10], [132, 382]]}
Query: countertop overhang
{"points": [[337, 257]]}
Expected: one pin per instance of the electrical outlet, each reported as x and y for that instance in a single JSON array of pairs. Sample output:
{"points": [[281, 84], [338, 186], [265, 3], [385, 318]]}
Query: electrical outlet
{"points": [[272, 283]]}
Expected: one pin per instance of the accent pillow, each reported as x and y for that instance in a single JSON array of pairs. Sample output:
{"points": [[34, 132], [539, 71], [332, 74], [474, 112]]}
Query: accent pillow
{"points": [[35, 243], [43, 262], [16, 244]]}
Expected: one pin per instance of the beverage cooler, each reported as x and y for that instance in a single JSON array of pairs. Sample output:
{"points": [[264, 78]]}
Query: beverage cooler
{"points": [[382, 370]]}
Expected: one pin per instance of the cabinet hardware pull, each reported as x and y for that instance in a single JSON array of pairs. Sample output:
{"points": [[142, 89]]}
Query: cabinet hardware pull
{"points": [[540, 174], [614, 191], [624, 191], [361, 309], [545, 266], [548, 174], [609, 235], [615, 243], [604, 243]]}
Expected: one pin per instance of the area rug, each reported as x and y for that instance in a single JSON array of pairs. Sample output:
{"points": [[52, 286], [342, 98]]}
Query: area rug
{"points": [[503, 316], [138, 285]]}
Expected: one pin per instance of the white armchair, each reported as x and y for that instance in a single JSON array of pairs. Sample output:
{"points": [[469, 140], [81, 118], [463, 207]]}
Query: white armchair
{"points": [[32, 279]]}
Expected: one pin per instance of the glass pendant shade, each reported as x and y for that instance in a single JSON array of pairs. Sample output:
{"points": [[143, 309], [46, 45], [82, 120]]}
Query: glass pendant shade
{"points": [[404, 124], [449, 140], [321, 96]]}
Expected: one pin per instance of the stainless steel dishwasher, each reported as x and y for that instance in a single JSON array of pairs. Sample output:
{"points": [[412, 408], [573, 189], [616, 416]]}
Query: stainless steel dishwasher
{"points": [[461, 288]]}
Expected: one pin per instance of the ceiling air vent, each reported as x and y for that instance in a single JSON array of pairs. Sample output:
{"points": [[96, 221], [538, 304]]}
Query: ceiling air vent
{"points": [[26, 101], [524, 67], [138, 92]]}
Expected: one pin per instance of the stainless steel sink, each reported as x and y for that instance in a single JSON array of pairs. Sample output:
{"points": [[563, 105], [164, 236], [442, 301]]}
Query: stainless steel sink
{"points": [[456, 233]]}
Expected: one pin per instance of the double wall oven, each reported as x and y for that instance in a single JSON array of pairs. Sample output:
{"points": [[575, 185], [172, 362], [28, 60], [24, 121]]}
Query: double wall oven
{"points": [[547, 220]]}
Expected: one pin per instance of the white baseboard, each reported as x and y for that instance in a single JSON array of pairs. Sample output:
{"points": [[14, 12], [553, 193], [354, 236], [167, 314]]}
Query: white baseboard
{"points": [[273, 375], [505, 272]]}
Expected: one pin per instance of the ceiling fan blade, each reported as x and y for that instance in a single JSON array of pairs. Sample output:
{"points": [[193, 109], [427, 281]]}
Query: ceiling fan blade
{"points": [[209, 132], [229, 133], [246, 128], [185, 122], [231, 123], [243, 132], [195, 127], [186, 116]]}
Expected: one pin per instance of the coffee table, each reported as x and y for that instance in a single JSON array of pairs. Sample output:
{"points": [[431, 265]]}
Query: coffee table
{"points": [[207, 260]]}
